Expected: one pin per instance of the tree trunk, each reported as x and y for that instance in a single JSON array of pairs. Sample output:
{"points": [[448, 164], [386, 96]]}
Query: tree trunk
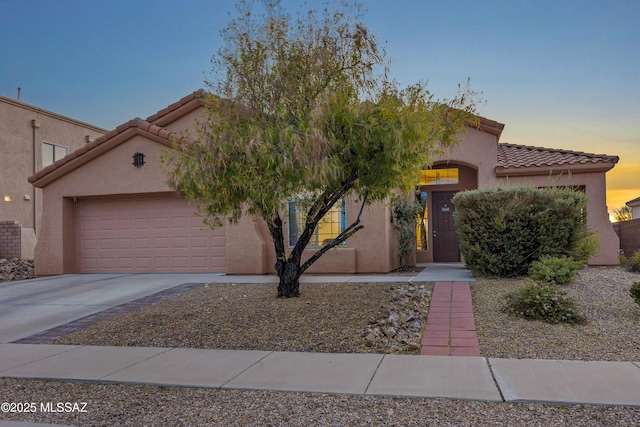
{"points": [[289, 285]]}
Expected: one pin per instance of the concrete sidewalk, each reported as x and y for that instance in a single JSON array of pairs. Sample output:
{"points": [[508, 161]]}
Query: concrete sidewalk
{"points": [[476, 378]]}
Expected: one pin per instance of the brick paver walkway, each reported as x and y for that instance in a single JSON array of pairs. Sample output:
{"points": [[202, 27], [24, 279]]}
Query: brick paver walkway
{"points": [[450, 329]]}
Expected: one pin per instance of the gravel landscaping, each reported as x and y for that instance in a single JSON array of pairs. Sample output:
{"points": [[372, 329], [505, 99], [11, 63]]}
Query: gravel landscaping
{"points": [[611, 331], [121, 405], [328, 317], [378, 318], [342, 318]]}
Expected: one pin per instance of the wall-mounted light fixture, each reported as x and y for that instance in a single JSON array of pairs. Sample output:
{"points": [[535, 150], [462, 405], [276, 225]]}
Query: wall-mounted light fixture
{"points": [[138, 160], [8, 198]]}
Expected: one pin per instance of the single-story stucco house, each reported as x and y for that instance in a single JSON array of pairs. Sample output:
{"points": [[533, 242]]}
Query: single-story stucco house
{"points": [[108, 208]]}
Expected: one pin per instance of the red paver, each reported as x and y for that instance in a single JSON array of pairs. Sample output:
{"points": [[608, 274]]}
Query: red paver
{"points": [[465, 351], [450, 329], [436, 351]]}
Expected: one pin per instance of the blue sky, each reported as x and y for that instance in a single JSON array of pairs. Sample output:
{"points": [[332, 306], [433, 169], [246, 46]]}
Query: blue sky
{"points": [[560, 74]]}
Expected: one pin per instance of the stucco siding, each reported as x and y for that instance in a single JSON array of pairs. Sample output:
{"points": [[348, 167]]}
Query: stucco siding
{"points": [[23, 129], [476, 149]]}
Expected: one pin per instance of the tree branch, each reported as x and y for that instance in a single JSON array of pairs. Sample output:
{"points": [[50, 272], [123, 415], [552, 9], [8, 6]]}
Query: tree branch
{"points": [[275, 228], [321, 206], [348, 232]]}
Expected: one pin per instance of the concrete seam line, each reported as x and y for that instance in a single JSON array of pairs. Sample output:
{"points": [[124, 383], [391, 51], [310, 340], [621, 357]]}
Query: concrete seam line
{"points": [[259, 361], [506, 392], [366, 390], [136, 363], [70, 348]]}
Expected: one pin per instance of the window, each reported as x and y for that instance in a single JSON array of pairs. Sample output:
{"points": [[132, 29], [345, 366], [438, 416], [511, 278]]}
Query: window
{"points": [[51, 153], [422, 226], [329, 227], [438, 176]]}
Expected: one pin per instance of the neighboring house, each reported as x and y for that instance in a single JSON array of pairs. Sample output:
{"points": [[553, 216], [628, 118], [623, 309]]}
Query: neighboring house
{"points": [[629, 231], [31, 138], [635, 207], [130, 220]]}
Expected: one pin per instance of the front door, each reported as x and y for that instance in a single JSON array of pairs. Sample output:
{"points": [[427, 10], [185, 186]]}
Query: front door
{"points": [[445, 239]]}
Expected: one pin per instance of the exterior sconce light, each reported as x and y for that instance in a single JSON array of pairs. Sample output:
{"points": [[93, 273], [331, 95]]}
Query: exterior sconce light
{"points": [[138, 160], [8, 198]]}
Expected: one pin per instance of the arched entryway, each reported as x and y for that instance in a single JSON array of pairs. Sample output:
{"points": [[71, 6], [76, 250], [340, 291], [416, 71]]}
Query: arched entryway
{"points": [[437, 240]]}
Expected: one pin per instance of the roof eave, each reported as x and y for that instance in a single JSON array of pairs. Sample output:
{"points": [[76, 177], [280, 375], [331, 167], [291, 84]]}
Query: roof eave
{"points": [[178, 109], [88, 153], [553, 170], [633, 203], [490, 126]]}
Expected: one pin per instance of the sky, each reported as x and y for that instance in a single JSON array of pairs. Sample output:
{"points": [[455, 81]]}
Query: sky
{"points": [[559, 74]]}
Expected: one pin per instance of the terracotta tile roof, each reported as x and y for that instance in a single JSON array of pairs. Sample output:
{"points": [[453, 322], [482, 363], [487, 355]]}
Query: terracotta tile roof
{"points": [[517, 156], [197, 96], [82, 155], [491, 126]]}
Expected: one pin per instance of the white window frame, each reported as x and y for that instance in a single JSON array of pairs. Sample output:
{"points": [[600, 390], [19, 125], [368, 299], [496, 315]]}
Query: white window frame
{"points": [[53, 147]]}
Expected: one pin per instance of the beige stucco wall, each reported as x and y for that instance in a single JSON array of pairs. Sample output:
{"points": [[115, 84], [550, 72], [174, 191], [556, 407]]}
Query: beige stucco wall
{"points": [[372, 249], [475, 155], [23, 128], [110, 174], [249, 245], [476, 149]]}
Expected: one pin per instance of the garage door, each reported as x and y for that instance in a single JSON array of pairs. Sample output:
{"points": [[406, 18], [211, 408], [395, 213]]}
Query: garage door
{"points": [[159, 234]]}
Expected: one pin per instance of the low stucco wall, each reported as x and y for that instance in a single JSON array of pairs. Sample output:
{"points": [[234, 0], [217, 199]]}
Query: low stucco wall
{"points": [[374, 249]]}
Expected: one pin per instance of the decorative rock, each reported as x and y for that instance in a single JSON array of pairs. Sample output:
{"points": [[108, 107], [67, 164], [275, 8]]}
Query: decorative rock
{"points": [[16, 269], [398, 327]]}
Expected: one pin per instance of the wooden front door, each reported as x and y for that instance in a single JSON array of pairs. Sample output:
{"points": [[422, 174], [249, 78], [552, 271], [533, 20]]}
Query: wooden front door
{"points": [[445, 239]]}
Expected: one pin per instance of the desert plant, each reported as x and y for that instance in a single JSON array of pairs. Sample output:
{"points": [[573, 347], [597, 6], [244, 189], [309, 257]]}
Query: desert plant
{"points": [[502, 231], [633, 263], [405, 214], [635, 292], [554, 270], [586, 247], [542, 302], [623, 260]]}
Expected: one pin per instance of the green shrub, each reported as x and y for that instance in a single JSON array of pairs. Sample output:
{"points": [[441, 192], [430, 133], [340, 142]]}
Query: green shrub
{"points": [[633, 263], [542, 302], [635, 292], [404, 222], [586, 247], [502, 231], [623, 260], [554, 270]]}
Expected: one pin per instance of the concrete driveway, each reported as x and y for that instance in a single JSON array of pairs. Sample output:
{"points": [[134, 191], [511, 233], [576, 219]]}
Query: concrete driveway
{"points": [[31, 306]]}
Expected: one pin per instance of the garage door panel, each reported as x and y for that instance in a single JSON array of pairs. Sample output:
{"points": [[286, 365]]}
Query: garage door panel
{"points": [[178, 222], [107, 244], [199, 242], [125, 243], [181, 242], [146, 235]]}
